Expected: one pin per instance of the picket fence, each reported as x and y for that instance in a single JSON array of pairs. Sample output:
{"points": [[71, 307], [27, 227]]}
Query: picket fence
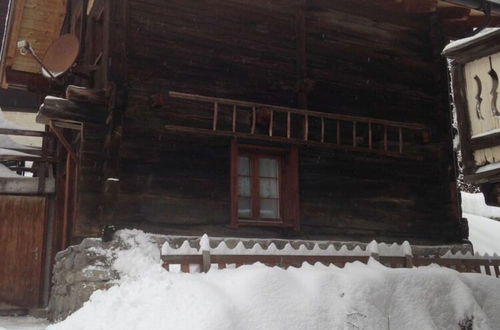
{"points": [[204, 258]]}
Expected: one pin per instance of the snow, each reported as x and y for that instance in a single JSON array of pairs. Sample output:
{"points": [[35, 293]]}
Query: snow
{"points": [[5, 172], [461, 42], [4, 123], [399, 250], [484, 232], [487, 168], [475, 204], [491, 132], [22, 323], [358, 296], [8, 152]]}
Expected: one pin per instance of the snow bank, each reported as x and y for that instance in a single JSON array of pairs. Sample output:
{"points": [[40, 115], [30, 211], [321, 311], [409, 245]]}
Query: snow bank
{"points": [[4, 123], [475, 204], [22, 323], [358, 296], [5, 172], [484, 233]]}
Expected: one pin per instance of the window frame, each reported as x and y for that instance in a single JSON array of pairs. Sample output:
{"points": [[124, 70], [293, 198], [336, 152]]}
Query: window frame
{"points": [[288, 193]]}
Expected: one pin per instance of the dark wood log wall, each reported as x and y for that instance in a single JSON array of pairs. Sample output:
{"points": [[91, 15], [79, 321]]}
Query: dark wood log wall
{"points": [[356, 58]]}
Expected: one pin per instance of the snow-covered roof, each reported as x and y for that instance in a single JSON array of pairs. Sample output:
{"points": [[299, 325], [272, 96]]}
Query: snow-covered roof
{"points": [[460, 44], [5, 172]]}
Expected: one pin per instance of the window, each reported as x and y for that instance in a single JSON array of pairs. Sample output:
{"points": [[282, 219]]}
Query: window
{"points": [[264, 186]]}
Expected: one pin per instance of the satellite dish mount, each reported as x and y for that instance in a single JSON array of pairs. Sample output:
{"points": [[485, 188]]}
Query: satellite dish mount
{"points": [[58, 59]]}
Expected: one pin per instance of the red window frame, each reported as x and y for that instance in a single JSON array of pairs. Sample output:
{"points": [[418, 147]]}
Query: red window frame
{"points": [[288, 191]]}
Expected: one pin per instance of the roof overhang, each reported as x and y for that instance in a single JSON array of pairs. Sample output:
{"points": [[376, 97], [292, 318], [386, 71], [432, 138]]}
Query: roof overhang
{"points": [[40, 23]]}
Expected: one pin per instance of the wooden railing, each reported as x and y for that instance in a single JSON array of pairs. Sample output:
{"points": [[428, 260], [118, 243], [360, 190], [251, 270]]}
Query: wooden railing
{"points": [[205, 261], [204, 258], [361, 129], [39, 156]]}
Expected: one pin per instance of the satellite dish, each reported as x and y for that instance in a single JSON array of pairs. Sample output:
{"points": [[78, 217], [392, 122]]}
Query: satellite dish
{"points": [[60, 56]]}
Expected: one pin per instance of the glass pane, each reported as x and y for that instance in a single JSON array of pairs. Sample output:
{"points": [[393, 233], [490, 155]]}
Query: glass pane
{"points": [[268, 188], [244, 185], [268, 167], [243, 165], [244, 208], [269, 208]]}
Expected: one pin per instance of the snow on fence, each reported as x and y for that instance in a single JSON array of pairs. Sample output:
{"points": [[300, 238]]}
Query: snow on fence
{"points": [[191, 260]]}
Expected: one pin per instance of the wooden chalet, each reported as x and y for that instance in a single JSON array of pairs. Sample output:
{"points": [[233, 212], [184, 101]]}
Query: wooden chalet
{"points": [[307, 119]]}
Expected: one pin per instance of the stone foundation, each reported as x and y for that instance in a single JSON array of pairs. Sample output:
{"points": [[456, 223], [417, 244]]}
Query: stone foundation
{"points": [[78, 272]]}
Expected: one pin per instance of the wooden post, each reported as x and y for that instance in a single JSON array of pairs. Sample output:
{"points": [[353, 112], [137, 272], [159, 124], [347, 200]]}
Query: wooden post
{"points": [[206, 261], [216, 113], [271, 122], [254, 117], [306, 127], [288, 124], [370, 139], [400, 132], [354, 134], [322, 129], [338, 131], [385, 138], [234, 118]]}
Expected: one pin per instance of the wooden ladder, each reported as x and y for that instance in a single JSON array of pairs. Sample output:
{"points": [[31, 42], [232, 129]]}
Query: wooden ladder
{"points": [[371, 135]]}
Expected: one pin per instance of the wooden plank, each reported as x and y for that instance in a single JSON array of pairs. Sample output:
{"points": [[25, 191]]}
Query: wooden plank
{"points": [[254, 118], [400, 133], [22, 234], [22, 132], [234, 118], [271, 123], [322, 129], [354, 134], [370, 135], [216, 113]]}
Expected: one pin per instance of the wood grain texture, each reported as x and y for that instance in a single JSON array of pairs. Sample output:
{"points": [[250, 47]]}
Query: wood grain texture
{"points": [[22, 229]]}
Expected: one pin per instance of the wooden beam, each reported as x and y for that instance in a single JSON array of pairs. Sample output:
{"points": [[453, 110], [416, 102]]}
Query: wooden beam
{"points": [[62, 139]]}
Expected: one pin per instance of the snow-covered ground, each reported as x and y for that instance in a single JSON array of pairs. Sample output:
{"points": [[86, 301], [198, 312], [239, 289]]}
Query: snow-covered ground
{"points": [[358, 296], [22, 323], [484, 233]]}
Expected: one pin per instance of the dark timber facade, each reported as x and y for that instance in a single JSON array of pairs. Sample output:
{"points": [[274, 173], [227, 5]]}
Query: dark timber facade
{"points": [[284, 118]]}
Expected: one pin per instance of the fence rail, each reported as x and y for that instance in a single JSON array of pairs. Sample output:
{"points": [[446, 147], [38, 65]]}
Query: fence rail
{"points": [[205, 261], [202, 259]]}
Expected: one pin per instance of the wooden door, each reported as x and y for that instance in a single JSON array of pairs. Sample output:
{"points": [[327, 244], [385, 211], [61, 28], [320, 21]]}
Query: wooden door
{"points": [[22, 232]]}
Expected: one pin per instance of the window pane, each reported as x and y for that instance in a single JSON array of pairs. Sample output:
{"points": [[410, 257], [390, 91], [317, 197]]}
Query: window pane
{"points": [[243, 165], [244, 208], [268, 167], [244, 185], [269, 208], [268, 188]]}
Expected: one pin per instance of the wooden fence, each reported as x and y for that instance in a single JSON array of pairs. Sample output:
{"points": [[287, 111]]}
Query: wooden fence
{"points": [[204, 261]]}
